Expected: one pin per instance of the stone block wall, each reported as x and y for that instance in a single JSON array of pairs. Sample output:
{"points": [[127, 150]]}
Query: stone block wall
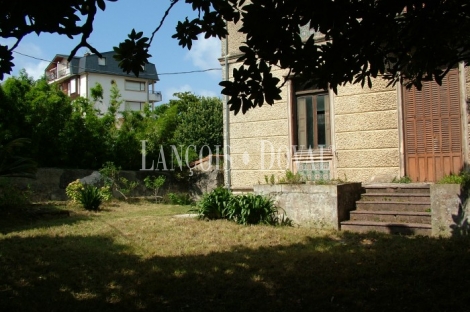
{"points": [[366, 133], [449, 211], [50, 183], [259, 141], [318, 206]]}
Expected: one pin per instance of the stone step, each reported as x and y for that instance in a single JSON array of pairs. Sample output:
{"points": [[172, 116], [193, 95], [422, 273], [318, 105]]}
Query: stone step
{"points": [[386, 227], [407, 197], [391, 216], [417, 188], [421, 206]]}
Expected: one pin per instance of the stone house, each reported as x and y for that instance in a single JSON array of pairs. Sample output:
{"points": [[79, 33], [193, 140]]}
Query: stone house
{"points": [[359, 134]]}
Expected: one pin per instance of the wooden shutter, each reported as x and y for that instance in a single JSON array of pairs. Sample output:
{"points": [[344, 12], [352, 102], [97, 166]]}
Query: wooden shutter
{"points": [[432, 126], [301, 123]]}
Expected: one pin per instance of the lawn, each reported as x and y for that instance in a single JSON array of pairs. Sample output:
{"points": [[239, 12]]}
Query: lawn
{"points": [[142, 257]]}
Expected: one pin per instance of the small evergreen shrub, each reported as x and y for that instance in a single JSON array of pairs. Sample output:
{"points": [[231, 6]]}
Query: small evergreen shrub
{"points": [[154, 184], [11, 196], [182, 199], [213, 204], [243, 209], [252, 209], [73, 190], [111, 176], [90, 197]]}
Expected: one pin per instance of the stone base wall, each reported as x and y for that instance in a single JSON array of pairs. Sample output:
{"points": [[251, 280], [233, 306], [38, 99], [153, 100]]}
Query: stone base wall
{"points": [[449, 211], [319, 206]]}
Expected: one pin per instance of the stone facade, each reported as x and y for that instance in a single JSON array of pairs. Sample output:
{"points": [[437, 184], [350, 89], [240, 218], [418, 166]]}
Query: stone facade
{"points": [[366, 131]]}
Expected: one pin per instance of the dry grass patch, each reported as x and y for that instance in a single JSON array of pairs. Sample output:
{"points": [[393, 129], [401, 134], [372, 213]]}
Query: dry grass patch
{"points": [[142, 257]]}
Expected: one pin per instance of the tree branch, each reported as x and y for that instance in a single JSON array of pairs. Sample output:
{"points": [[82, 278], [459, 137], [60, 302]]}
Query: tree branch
{"points": [[162, 20], [87, 30]]}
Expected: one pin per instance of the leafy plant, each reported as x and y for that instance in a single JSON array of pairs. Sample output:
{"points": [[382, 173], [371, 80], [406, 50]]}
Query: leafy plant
{"points": [[153, 183], [113, 180], [452, 179], [13, 165], [252, 209], [182, 199], [90, 197], [291, 178], [11, 196], [106, 193], [270, 179], [213, 205], [404, 179], [243, 209], [73, 190]]}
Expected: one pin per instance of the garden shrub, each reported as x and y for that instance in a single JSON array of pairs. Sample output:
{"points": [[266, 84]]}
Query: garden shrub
{"points": [[73, 190], [252, 209], [243, 209], [90, 197], [182, 199], [153, 183], [114, 181], [11, 196], [213, 204]]}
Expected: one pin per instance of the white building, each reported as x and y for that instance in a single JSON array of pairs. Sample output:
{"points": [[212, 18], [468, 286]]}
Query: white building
{"points": [[77, 77]]}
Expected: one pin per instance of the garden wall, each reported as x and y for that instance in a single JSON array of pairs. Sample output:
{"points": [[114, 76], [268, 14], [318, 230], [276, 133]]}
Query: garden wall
{"points": [[320, 206], [50, 183]]}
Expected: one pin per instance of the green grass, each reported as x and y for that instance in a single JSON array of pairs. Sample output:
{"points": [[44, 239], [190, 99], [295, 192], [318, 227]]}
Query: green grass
{"points": [[141, 257]]}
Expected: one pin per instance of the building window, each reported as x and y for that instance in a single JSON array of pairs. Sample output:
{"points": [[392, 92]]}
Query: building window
{"points": [[134, 106], [73, 86], [102, 61], [133, 85], [311, 118]]}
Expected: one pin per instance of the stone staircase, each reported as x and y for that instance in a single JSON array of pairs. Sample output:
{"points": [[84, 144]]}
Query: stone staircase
{"points": [[392, 208]]}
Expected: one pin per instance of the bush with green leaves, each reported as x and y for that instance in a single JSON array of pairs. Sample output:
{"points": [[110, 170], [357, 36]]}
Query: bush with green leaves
{"points": [[154, 183], [181, 199], [213, 205], [11, 196], [114, 181], [90, 197], [243, 209], [75, 188], [253, 209]]}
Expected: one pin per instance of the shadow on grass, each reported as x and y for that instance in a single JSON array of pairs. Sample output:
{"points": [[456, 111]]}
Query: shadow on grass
{"points": [[33, 216], [354, 273]]}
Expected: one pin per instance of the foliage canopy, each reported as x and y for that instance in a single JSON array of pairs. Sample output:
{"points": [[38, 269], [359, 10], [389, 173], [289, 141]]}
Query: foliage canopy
{"points": [[400, 40], [71, 134]]}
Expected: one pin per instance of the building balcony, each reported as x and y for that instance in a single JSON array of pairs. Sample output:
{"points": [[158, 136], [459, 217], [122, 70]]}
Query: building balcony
{"points": [[155, 96], [57, 75]]}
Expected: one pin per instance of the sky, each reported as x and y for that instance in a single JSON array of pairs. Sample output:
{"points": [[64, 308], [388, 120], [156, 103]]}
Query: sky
{"points": [[114, 24]]}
